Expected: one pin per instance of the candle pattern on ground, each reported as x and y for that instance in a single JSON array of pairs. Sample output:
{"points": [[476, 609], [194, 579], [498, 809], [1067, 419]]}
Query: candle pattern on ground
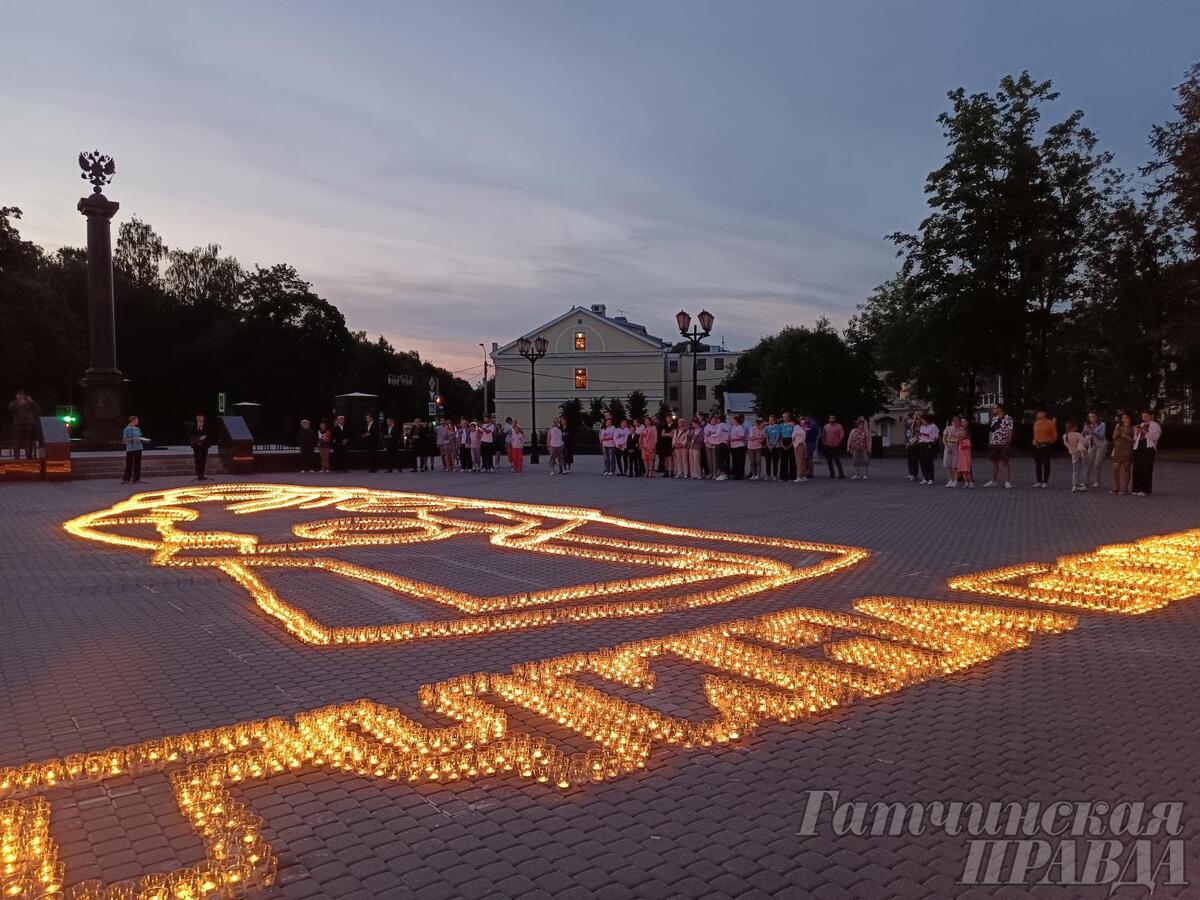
{"points": [[1130, 579], [778, 667], [718, 572]]}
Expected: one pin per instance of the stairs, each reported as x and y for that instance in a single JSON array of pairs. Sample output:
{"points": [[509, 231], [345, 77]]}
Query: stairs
{"points": [[154, 465]]}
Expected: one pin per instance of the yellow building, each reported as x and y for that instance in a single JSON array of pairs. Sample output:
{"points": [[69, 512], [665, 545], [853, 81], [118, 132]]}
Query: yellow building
{"points": [[590, 354]]}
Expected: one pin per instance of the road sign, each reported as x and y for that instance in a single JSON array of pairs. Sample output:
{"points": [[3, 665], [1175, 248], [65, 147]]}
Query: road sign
{"points": [[433, 409], [221, 403]]}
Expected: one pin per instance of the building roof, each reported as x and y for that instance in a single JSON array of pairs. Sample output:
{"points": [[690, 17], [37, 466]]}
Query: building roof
{"points": [[620, 322]]}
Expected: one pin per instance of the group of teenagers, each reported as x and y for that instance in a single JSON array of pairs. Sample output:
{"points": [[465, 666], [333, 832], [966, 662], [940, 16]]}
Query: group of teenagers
{"points": [[728, 447], [1130, 446]]}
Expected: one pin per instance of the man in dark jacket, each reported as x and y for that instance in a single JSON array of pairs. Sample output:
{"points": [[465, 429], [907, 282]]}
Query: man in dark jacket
{"points": [[199, 438], [306, 440], [341, 445], [370, 439], [392, 437]]}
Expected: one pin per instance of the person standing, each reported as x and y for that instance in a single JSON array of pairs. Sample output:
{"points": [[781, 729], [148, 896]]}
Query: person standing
{"points": [[606, 447], [306, 441], [568, 459], [132, 436], [1145, 448], [1076, 445], [648, 445], [737, 448], [772, 448], [679, 449], [1122, 453], [859, 445], [927, 440], [554, 447], [370, 439], [199, 438], [1000, 433], [1095, 432], [812, 437], [24, 412], [463, 439], [392, 438], [620, 440], [476, 447], [516, 446], [722, 433], [324, 443], [341, 445], [832, 435], [416, 437], [965, 475], [1045, 436], [912, 445], [756, 441], [695, 447], [505, 432], [487, 443], [951, 438], [799, 433]]}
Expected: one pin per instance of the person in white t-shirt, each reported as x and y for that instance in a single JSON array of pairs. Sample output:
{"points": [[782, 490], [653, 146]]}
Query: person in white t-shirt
{"points": [[737, 448], [487, 446], [1145, 448], [554, 444], [927, 444], [799, 434], [722, 432], [620, 441]]}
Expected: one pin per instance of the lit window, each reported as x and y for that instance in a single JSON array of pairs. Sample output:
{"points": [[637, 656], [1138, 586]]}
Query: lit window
{"points": [[719, 362], [701, 364], [672, 365], [580, 379], [581, 340]]}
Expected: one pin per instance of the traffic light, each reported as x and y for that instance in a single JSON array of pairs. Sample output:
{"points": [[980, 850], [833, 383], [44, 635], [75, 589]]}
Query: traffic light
{"points": [[67, 415]]}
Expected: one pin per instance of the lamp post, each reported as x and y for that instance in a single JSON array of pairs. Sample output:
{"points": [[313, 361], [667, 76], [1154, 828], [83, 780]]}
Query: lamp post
{"points": [[694, 338], [532, 351]]}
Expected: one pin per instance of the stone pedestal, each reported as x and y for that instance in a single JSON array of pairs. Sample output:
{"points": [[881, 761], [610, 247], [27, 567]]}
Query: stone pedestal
{"points": [[104, 386]]}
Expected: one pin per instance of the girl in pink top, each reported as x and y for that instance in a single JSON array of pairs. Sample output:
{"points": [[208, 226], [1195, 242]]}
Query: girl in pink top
{"points": [[964, 460]]}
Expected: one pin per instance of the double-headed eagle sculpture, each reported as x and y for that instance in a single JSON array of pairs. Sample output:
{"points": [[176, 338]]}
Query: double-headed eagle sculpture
{"points": [[97, 168]]}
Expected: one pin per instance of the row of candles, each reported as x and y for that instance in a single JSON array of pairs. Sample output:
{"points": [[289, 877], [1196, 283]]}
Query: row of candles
{"points": [[1130, 578], [426, 517]]}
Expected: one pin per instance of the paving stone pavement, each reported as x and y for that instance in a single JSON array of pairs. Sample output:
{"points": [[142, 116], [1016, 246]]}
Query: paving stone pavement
{"points": [[98, 648]]}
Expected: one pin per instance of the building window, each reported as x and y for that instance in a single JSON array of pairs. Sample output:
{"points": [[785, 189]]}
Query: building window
{"points": [[581, 340], [701, 364], [719, 363], [672, 366], [580, 379], [673, 392], [702, 392]]}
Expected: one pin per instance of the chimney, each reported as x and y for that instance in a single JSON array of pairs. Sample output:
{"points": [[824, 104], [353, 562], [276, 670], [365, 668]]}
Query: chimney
{"points": [[599, 309]]}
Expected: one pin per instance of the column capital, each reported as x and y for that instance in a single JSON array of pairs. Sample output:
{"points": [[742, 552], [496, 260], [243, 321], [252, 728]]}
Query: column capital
{"points": [[98, 205]]}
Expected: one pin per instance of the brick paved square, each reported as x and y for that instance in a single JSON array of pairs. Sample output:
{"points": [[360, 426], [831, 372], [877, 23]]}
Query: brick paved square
{"points": [[100, 649]]}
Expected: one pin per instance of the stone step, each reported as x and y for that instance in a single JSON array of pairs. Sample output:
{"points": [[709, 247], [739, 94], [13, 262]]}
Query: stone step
{"points": [[152, 467]]}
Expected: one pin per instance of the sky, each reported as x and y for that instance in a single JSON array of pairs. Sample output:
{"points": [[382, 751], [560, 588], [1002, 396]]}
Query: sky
{"points": [[449, 173]]}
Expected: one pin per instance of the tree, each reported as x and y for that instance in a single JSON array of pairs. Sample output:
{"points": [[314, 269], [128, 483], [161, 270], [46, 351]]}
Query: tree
{"points": [[811, 371], [987, 278], [572, 411], [202, 277], [636, 403], [616, 410], [140, 253], [595, 412]]}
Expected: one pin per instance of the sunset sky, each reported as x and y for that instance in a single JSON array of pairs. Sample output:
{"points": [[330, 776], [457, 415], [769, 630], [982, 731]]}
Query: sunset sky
{"points": [[449, 173]]}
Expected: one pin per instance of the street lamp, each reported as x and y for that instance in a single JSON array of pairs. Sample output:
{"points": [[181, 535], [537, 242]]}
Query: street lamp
{"points": [[694, 338], [532, 351]]}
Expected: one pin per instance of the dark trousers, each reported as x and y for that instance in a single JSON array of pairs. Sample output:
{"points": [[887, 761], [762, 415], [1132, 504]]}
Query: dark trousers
{"points": [[772, 461], [926, 453], [1143, 470], [914, 459], [619, 454], [26, 442], [464, 458], [833, 458], [308, 459], [372, 455], [787, 461], [723, 459], [737, 462], [391, 458], [133, 466], [1041, 463], [485, 451], [200, 456], [634, 465], [340, 458]]}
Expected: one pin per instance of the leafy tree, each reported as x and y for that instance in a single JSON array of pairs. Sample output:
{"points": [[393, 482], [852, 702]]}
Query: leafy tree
{"points": [[810, 371], [595, 412], [636, 403], [616, 409], [572, 411], [988, 275], [139, 253], [202, 277]]}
